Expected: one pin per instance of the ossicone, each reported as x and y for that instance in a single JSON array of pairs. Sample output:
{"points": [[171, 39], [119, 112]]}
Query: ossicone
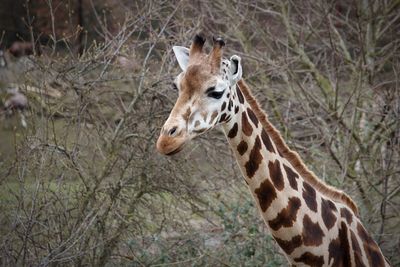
{"points": [[216, 53], [197, 44], [219, 42]]}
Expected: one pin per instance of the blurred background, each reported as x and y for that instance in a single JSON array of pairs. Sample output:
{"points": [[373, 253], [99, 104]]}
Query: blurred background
{"points": [[85, 87]]}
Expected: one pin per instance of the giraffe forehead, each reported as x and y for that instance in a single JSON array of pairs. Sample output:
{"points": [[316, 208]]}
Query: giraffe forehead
{"points": [[195, 78], [201, 72], [195, 81]]}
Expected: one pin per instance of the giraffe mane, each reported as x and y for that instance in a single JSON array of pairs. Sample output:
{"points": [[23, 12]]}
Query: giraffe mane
{"points": [[292, 156]]}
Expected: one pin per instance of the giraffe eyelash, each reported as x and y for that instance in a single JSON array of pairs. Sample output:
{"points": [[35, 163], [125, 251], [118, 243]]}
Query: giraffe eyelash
{"points": [[214, 94], [210, 89]]}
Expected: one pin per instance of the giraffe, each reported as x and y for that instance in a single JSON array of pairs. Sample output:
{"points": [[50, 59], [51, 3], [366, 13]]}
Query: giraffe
{"points": [[314, 224]]}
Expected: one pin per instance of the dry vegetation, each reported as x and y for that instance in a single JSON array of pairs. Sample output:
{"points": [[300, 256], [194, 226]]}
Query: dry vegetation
{"points": [[85, 186]]}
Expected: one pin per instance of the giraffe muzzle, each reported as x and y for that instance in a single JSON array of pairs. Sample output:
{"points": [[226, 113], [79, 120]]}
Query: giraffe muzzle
{"points": [[169, 144]]}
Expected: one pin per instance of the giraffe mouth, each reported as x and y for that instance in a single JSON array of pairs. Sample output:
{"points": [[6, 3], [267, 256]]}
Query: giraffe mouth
{"points": [[173, 152]]}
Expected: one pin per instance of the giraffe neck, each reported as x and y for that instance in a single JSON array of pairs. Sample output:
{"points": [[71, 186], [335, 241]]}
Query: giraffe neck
{"points": [[258, 157], [270, 177], [314, 224]]}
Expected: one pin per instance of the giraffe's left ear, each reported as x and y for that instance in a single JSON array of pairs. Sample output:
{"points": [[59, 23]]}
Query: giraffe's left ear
{"points": [[236, 69], [182, 55]]}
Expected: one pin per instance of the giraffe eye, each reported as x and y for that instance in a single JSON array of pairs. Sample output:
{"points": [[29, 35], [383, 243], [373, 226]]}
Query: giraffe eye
{"points": [[214, 94]]}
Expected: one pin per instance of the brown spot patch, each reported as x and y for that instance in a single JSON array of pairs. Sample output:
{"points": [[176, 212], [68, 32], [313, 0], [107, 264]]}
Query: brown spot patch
{"points": [[276, 174], [345, 213], [291, 245], [186, 115], [239, 94], [204, 116], [339, 249], [242, 147], [356, 250], [213, 116], [292, 176], [287, 216], [233, 131], [266, 194], [246, 127], [236, 109], [312, 232], [223, 117], [267, 141], [197, 123], [311, 259], [309, 196], [255, 159], [230, 105], [371, 249], [327, 212], [223, 106], [252, 116]]}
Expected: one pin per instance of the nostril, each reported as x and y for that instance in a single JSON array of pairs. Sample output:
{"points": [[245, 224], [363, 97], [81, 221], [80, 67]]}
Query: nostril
{"points": [[172, 131]]}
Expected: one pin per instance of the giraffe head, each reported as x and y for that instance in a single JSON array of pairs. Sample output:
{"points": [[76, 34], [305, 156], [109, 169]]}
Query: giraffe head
{"points": [[204, 93]]}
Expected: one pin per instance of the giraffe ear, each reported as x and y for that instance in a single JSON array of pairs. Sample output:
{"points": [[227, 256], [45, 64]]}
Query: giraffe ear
{"points": [[182, 55], [236, 69]]}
